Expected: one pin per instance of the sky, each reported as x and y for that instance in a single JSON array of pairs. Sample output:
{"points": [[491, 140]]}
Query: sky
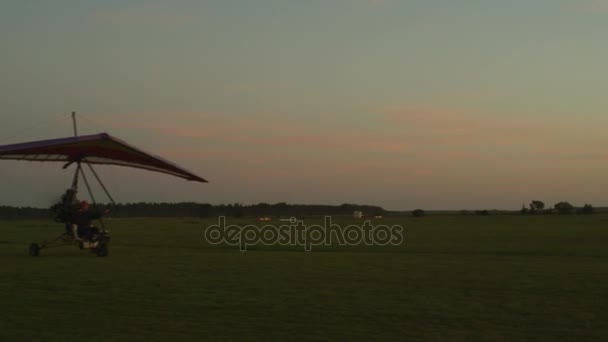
{"points": [[405, 104]]}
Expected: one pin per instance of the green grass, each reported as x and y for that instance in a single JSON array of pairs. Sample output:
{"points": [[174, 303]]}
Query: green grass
{"points": [[502, 278]]}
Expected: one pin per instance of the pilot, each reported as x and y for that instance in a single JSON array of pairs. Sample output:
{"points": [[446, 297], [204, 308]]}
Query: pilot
{"points": [[82, 221]]}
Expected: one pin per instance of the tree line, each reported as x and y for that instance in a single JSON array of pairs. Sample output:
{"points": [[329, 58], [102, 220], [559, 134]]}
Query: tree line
{"points": [[538, 207], [202, 210]]}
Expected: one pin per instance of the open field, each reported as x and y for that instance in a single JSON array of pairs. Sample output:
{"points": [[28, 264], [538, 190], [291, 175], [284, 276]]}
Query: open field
{"points": [[496, 278]]}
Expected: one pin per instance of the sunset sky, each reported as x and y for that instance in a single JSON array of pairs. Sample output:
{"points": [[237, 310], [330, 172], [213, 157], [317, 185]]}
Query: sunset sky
{"points": [[399, 103]]}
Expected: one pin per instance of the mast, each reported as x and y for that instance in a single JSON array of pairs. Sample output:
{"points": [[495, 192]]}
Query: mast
{"points": [[74, 123], [78, 168]]}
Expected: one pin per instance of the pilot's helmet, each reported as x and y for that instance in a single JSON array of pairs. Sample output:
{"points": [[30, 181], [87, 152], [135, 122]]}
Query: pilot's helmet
{"points": [[84, 205]]}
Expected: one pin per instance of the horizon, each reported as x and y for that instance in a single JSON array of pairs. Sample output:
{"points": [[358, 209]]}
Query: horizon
{"points": [[548, 208], [421, 104]]}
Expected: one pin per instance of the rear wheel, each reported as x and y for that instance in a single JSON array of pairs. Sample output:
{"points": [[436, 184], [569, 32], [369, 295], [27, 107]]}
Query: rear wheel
{"points": [[34, 249], [102, 250]]}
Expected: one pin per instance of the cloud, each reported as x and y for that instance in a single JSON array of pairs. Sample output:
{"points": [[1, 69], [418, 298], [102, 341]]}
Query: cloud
{"points": [[467, 126], [478, 137], [264, 132], [428, 136]]}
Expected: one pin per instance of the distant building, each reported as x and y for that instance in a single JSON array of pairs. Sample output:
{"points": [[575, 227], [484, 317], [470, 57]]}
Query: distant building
{"points": [[357, 214]]}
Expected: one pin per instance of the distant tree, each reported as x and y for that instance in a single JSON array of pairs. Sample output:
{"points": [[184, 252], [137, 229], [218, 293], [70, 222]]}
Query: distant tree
{"points": [[482, 212], [418, 213], [587, 209], [524, 210], [564, 207], [537, 206]]}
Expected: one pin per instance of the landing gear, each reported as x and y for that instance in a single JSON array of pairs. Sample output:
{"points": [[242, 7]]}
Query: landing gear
{"points": [[98, 244], [34, 249]]}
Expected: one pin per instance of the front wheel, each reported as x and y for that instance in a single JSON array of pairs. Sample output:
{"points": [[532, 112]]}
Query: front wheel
{"points": [[102, 250], [34, 249]]}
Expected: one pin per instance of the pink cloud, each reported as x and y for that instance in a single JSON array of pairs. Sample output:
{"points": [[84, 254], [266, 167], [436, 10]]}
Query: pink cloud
{"points": [[457, 120], [471, 127], [421, 143], [262, 133]]}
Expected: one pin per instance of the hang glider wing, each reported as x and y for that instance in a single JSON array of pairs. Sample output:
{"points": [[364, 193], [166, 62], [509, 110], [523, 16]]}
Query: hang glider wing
{"points": [[100, 149]]}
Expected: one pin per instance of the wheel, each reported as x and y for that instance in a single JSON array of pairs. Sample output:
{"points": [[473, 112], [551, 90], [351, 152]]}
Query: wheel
{"points": [[34, 249], [102, 250]]}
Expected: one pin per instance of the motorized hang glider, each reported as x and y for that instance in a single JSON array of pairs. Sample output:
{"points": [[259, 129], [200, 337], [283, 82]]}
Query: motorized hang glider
{"points": [[89, 150]]}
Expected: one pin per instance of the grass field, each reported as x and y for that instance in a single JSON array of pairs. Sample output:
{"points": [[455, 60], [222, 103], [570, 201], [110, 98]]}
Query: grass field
{"points": [[500, 278]]}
